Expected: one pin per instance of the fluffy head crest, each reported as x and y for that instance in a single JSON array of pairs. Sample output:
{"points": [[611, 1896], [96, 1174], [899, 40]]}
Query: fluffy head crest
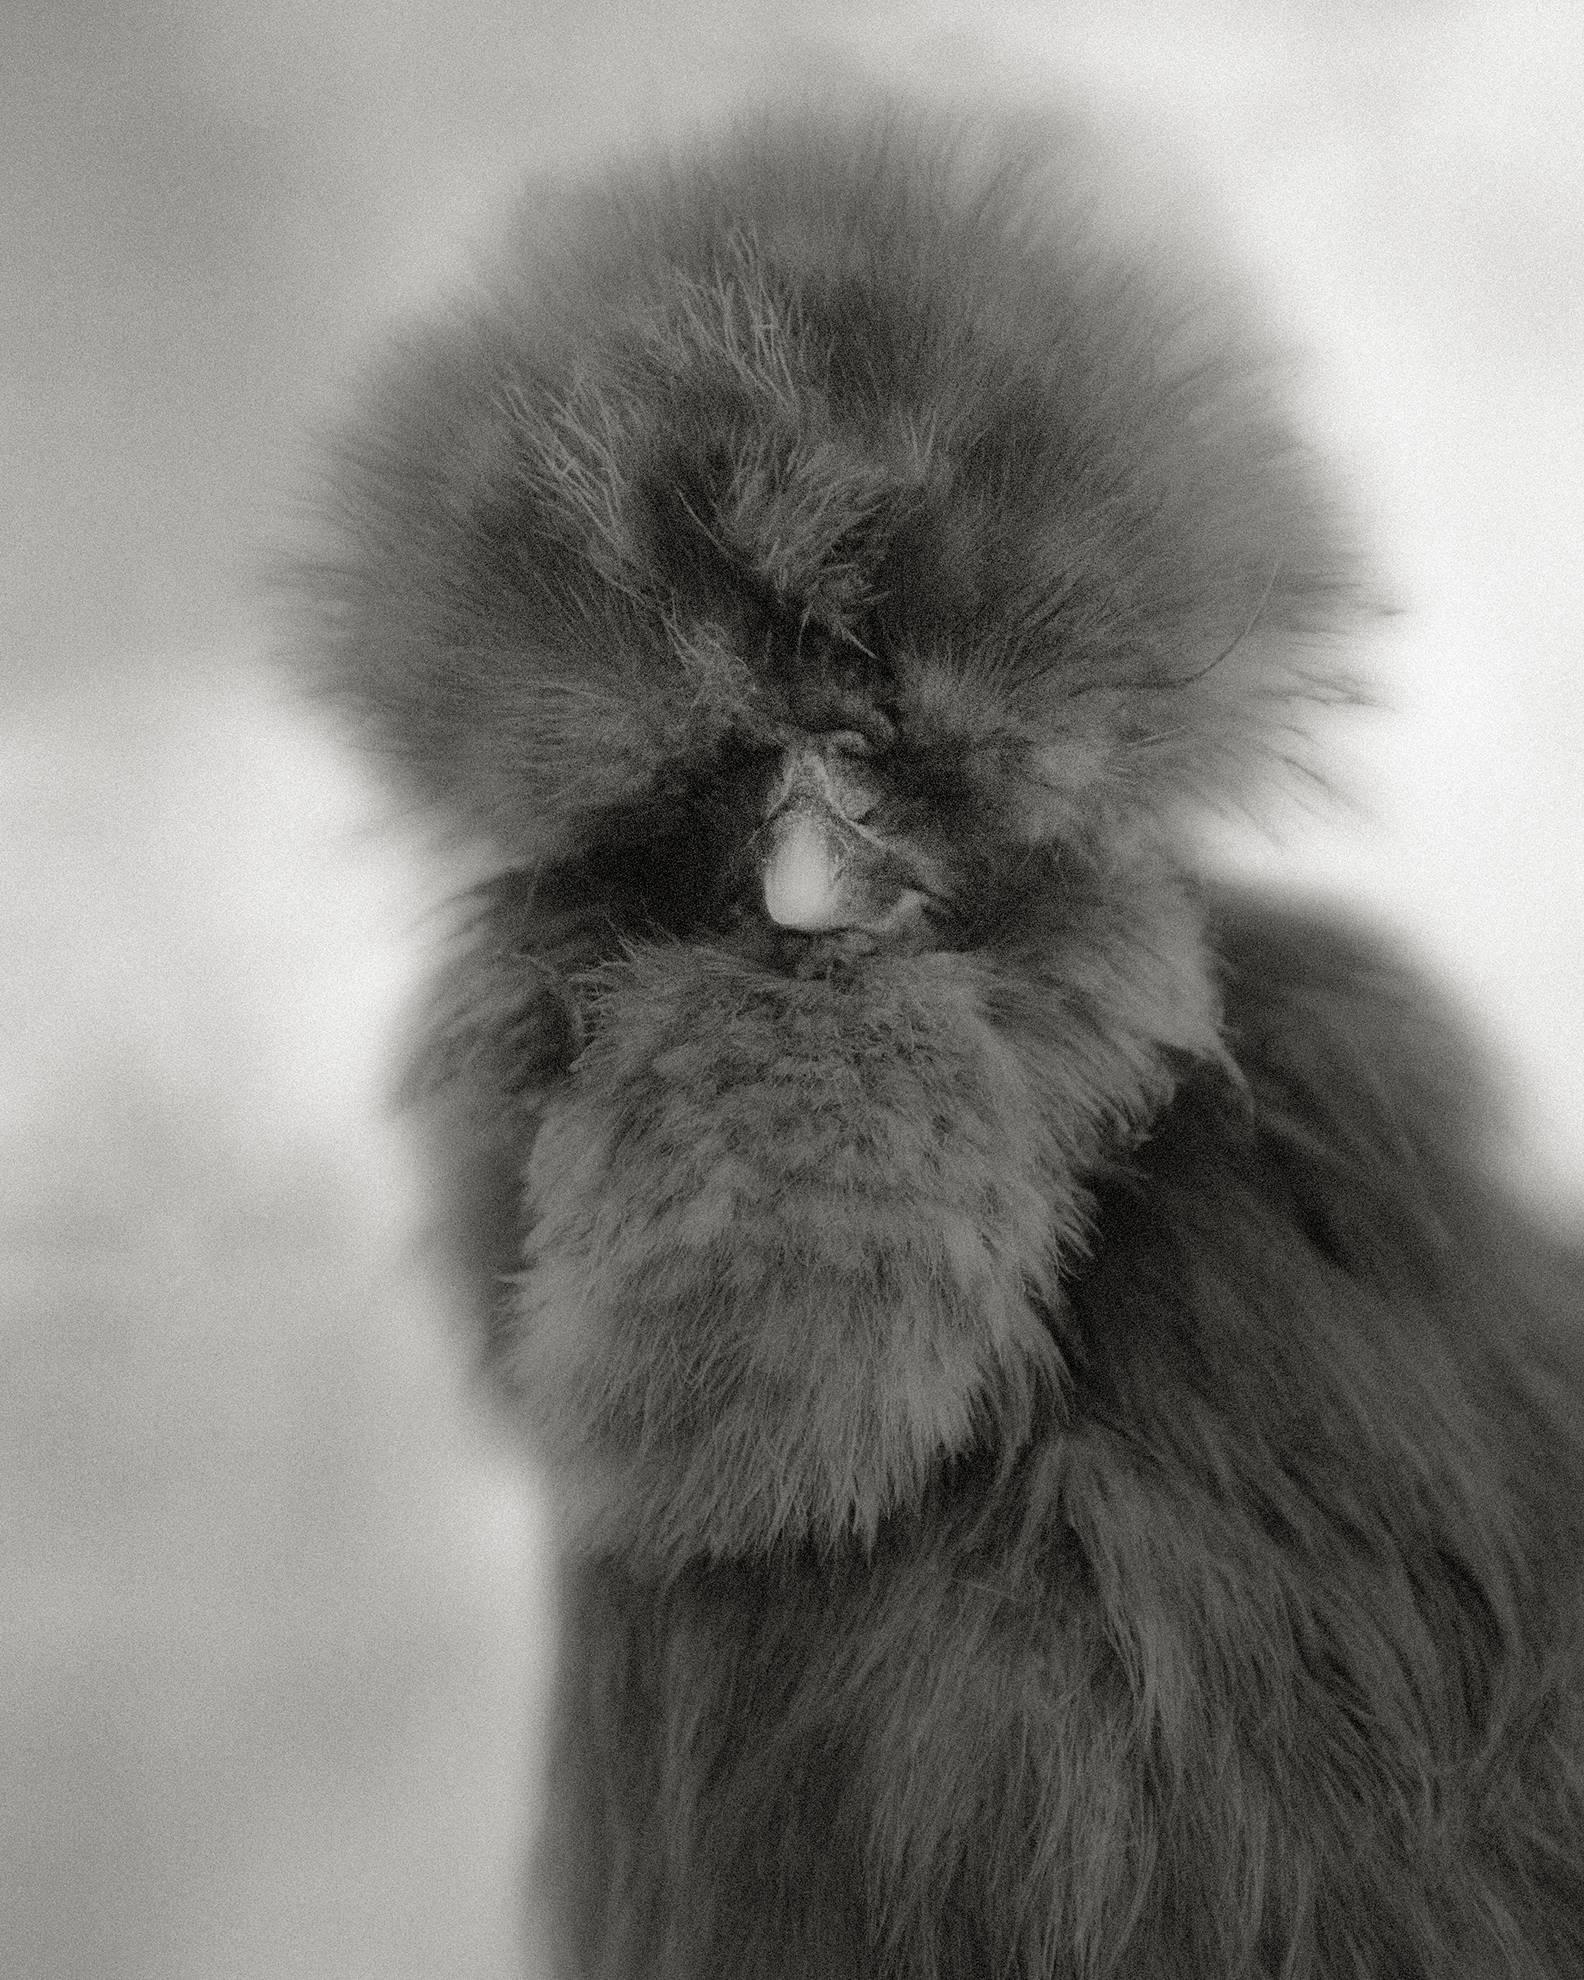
{"points": [[856, 408]]}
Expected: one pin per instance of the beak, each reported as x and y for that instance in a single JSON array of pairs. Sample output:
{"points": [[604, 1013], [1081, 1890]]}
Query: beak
{"points": [[824, 869], [804, 871]]}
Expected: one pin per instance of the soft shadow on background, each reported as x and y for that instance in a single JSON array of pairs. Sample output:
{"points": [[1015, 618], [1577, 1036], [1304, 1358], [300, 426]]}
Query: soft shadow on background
{"points": [[275, 1616]]}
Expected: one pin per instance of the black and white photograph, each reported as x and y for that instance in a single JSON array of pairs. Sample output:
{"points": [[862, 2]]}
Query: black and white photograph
{"points": [[791, 1022]]}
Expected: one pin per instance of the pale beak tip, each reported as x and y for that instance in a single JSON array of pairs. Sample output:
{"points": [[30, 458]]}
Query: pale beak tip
{"points": [[802, 878]]}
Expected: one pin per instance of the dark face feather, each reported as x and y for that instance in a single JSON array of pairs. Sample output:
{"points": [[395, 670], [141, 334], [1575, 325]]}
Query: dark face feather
{"points": [[824, 582]]}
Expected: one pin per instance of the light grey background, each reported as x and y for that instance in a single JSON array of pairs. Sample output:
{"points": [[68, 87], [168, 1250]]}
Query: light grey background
{"points": [[275, 1612]]}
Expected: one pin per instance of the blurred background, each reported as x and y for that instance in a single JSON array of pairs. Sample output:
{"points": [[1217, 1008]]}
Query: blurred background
{"points": [[274, 1609]]}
